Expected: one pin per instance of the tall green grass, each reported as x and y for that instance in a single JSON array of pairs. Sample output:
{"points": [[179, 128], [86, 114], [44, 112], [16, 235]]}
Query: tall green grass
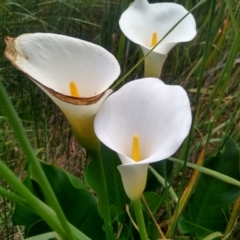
{"points": [[208, 68]]}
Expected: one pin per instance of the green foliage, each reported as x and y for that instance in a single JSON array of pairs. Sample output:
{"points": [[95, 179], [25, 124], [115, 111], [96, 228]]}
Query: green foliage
{"points": [[208, 68], [116, 193], [23, 215], [44, 236], [110, 161], [153, 201], [79, 206], [116, 196], [164, 168], [208, 209]]}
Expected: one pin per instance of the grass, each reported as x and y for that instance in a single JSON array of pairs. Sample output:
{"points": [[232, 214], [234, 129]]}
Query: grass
{"points": [[208, 68]]}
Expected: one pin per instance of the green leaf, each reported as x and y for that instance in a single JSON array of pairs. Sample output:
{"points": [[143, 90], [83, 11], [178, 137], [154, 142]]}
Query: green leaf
{"points": [[164, 168], [153, 201], [44, 236], [213, 236], [22, 215], [125, 232], [209, 172], [114, 213], [208, 209], [37, 228], [116, 193], [164, 183], [79, 206]]}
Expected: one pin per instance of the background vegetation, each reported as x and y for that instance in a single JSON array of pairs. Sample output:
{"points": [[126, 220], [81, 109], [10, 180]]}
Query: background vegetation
{"points": [[208, 68]]}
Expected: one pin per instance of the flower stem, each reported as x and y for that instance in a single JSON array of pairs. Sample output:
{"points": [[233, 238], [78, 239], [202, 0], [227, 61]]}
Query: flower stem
{"points": [[100, 186], [29, 201], [140, 220], [13, 197], [25, 194], [20, 135]]}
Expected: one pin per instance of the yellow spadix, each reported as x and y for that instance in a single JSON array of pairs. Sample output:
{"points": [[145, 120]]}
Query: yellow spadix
{"points": [[136, 148], [73, 89], [154, 39]]}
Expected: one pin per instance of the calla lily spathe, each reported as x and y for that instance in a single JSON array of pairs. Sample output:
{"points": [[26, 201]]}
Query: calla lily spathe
{"points": [[159, 114], [74, 73], [146, 24]]}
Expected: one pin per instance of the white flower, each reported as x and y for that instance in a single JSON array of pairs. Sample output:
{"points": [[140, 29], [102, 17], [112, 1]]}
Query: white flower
{"points": [[74, 73], [144, 122], [146, 24]]}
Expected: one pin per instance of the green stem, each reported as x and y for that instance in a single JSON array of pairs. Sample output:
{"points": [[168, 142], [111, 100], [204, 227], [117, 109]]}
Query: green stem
{"points": [[13, 197], [185, 151], [34, 202], [20, 134], [103, 194], [28, 200], [140, 220], [209, 172], [164, 183]]}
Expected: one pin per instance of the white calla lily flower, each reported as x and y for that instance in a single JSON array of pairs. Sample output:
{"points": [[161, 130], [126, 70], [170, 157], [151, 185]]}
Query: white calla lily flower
{"points": [[74, 73], [144, 122], [146, 24]]}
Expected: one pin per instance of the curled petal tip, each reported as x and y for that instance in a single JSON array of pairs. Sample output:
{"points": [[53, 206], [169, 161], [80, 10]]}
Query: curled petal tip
{"points": [[53, 62], [10, 51]]}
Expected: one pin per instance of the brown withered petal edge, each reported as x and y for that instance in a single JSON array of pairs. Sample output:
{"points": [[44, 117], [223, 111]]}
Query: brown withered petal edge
{"points": [[11, 55]]}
